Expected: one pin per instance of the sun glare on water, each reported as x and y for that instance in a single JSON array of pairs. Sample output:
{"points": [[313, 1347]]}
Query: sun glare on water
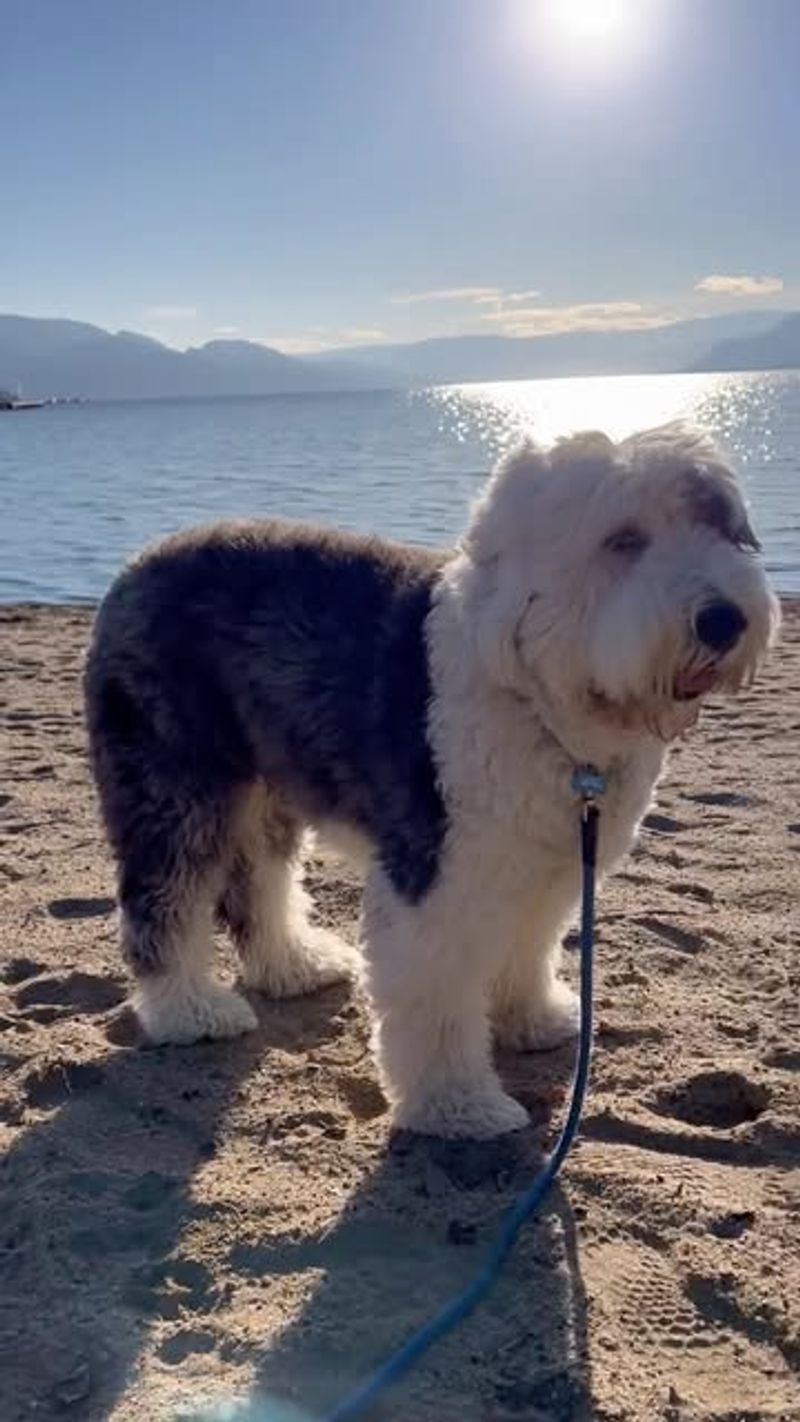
{"points": [[501, 414]]}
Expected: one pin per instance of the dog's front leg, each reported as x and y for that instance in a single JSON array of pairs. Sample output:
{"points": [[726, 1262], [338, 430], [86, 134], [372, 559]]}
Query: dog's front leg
{"points": [[428, 979], [533, 1009]]}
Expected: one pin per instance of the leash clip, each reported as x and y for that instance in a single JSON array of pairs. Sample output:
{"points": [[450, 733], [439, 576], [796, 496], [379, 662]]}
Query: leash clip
{"points": [[589, 784]]}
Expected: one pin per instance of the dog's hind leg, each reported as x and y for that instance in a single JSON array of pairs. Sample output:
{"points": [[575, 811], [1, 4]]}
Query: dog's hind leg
{"points": [[167, 807], [171, 867], [267, 909]]}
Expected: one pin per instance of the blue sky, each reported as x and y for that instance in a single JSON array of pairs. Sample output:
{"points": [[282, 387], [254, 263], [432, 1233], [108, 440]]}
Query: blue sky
{"points": [[293, 171]]}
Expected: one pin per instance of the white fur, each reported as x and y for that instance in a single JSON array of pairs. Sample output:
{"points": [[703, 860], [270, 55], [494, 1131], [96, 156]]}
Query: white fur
{"points": [[290, 956], [547, 651], [285, 956], [187, 1002], [176, 1010]]}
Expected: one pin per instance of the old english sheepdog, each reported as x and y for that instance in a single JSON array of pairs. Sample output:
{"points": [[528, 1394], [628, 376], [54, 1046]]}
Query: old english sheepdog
{"points": [[249, 680]]}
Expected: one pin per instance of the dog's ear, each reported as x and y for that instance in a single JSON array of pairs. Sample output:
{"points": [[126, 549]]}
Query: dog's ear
{"points": [[715, 500], [505, 513]]}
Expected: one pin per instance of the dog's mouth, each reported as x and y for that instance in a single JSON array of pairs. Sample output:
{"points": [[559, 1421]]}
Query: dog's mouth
{"points": [[694, 681]]}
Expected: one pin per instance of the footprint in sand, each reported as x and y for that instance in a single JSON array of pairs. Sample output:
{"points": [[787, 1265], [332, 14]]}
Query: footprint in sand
{"points": [[11, 873], [71, 993], [652, 1308], [363, 1096], [732, 1224], [784, 1057], [18, 970], [664, 824], [81, 908], [685, 940], [172, 1288], [691, 891], [48, 1087], [721, 1099], [724, 1306], [628, 876], [730, 799], [307, 1123], [124, 1030], [183, 1345], [613, 1034]]}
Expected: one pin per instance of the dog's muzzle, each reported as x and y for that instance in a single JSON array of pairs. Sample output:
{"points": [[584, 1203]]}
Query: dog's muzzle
{"points": [[717, 628]]}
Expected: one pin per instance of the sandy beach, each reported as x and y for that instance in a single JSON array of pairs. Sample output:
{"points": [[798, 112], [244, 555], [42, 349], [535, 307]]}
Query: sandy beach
{"points": [[183, 1227]]}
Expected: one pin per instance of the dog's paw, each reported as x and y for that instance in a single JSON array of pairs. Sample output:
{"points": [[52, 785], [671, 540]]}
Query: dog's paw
{"points": [[526, 1027], [305, 965], [474, 1115], [172, 1012]]}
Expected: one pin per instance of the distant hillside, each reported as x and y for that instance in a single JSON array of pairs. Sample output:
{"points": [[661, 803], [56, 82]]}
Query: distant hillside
{"points": [[775, 349], [70, 358], [450, 359]]}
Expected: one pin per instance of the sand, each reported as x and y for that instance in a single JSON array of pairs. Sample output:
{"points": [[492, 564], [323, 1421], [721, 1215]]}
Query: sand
{"points": [[183, 1226]]}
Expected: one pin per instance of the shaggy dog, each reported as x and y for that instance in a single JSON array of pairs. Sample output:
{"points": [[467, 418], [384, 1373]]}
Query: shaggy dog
{"points": [[249, 680]]}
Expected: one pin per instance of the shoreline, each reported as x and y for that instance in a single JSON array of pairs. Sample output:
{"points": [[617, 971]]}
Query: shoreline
{"points": [[185, 1225], [789, 601]]}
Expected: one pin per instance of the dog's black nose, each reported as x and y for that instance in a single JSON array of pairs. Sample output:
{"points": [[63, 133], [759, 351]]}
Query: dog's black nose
{"points": [[720, 625]]}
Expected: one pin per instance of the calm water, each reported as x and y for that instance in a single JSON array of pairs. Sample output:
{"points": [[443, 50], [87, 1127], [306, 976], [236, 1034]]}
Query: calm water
{"points": [[82, 487]]}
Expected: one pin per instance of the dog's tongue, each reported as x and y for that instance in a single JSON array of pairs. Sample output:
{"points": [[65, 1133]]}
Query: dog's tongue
{"points": [[689, 684]]}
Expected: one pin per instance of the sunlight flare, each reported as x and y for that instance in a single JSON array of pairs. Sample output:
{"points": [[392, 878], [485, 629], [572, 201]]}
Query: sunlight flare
{"points": [[594, 31], [591, 19]]}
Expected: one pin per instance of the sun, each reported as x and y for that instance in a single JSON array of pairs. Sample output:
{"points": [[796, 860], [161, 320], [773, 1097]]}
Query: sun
{"points": [[602, 37], [591, 20]]}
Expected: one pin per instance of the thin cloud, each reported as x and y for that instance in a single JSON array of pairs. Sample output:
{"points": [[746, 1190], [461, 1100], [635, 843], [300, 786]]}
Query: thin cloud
{"points": [[226, 330], [506, 298], [361, 335], [291, 345], [170, 313], [322, 339], [467, 295], [719, 285], [450, 293], [585, 316]]}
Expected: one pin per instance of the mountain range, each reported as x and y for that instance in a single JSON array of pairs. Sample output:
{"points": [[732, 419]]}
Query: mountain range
{"points": [[73, 359], [60, 358], [777, 348]]}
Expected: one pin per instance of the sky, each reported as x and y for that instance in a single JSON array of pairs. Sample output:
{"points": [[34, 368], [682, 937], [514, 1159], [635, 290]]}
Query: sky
{"points": [[316, 173]]}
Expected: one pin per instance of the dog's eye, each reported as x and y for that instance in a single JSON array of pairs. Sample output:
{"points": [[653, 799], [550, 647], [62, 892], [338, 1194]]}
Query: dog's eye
{"points": [[629, 540]]}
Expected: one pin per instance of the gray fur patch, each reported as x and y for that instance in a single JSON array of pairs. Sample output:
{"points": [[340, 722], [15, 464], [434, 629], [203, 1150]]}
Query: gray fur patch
{"points": [[262, 653]]}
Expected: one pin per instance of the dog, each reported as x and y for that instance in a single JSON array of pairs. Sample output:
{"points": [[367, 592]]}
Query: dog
{"points": [[250, 680]]}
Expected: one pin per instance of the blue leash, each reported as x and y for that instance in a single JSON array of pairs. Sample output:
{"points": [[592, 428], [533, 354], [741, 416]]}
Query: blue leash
{"points": [[588, 784]]}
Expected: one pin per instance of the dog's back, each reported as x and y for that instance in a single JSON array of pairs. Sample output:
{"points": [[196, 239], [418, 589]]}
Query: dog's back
{"points": [[268, 650]]}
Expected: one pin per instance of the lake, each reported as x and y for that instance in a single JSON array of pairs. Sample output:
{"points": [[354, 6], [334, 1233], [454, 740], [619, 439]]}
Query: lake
{"points": [[84, 486]]}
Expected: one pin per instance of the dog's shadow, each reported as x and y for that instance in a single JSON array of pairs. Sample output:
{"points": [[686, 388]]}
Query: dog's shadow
{"points": [[101, 1239], [412, 1236], [97, 1208]]}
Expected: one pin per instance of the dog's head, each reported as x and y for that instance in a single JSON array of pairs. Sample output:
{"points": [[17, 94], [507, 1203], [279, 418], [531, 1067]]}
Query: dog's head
{"points": [[621, 578]]}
